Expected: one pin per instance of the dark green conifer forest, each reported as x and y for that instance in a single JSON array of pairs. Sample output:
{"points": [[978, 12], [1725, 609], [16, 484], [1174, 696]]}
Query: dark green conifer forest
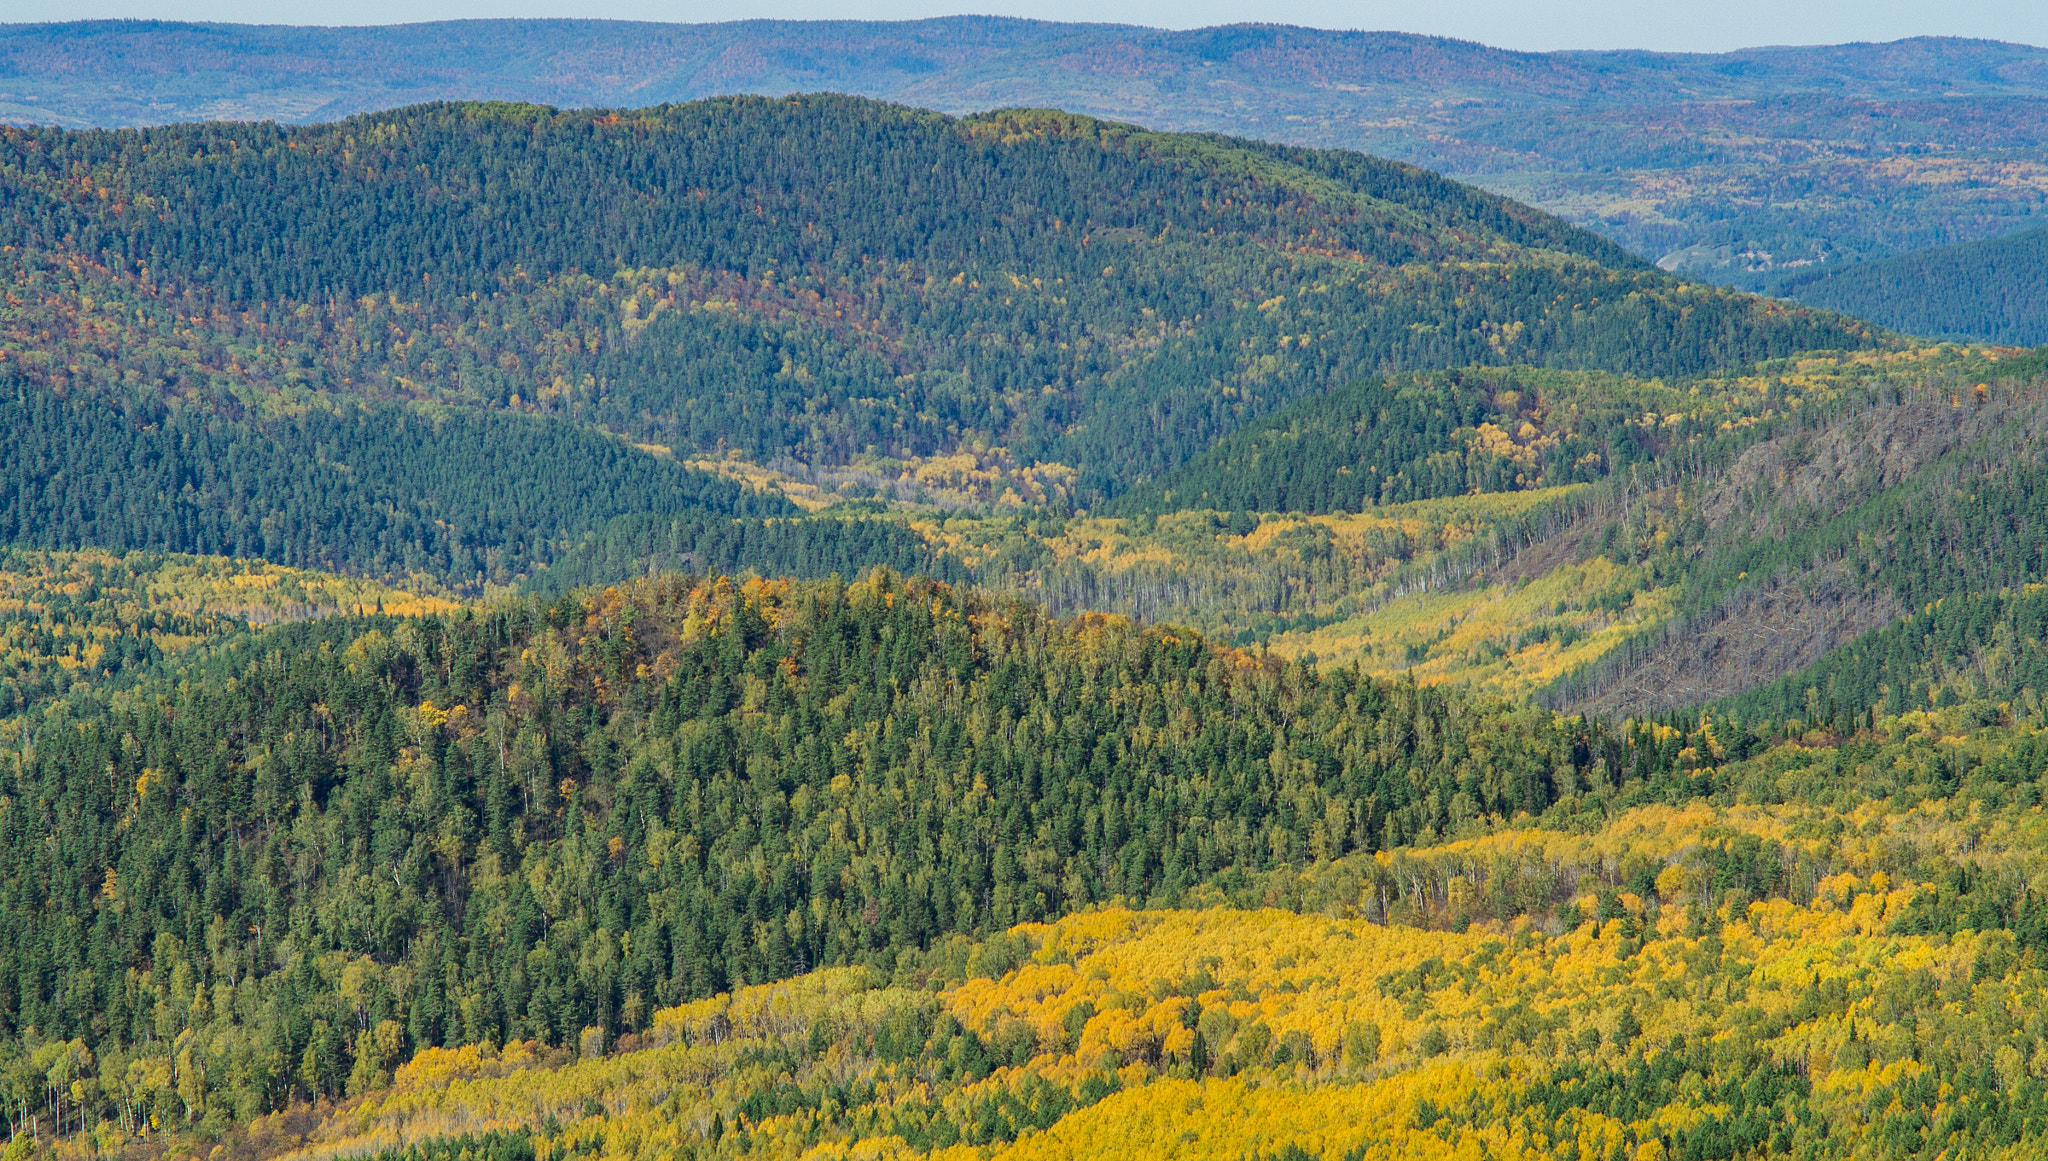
{"points": [[465, 497], [1992, 290]]}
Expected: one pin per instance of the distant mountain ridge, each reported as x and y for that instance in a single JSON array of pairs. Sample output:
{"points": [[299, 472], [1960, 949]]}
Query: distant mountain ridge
{"points": [[1733, 166], [157, 72]]}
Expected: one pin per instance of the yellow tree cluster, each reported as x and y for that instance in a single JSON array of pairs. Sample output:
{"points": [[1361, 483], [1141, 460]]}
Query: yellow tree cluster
{"points": [[1630, 1025], [83, 616]]}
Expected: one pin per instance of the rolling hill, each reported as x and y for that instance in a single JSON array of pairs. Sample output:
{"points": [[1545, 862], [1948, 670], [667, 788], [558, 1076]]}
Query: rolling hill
{"points": [[591, 309], [1734, 166], [1990, 291], [1225, 1033], [884, 869], [116, 73]]}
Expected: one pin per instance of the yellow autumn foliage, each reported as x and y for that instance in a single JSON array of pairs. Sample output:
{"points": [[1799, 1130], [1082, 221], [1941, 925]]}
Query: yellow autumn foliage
{"points": [[68, 617], [1625, 1025]]}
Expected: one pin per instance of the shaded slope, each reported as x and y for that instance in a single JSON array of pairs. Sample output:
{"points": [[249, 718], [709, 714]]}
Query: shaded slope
{"points": [[1438, 434], [1735, 528], [1995, 290], [1811, 539], [472, 498], [1986, 649]]}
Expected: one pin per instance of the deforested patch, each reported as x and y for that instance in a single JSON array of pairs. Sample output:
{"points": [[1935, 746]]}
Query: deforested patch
{"points": [[1755, 636]]}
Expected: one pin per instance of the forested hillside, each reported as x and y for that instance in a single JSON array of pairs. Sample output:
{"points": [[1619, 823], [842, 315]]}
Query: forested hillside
{"points": [[1722, 1012], [738, 782], [431, 862], [1738, 167], [1751, 524], [1810, 539], [811, 628], [70, 621], [461, 499], [327, 846], [719, 276], [466, 850], [1994, 290], [1430, 435]]}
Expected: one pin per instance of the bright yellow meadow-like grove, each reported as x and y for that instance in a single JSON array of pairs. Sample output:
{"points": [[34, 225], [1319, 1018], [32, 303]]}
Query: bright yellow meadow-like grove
{"points": [[1622, 1026]]}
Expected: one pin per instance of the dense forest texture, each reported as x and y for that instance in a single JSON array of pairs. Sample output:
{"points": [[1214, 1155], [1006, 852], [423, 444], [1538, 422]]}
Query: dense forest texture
{"points": [[1816, 536], [325, 847], [71, 620], [1754, 522], [656, 859], [1994, 290], [1694, 1019], [1827, 919], [465, 498], [1737, 167], [722, 276], [1429, 435], [1985, 649], [1504, 590], [336, 857]]}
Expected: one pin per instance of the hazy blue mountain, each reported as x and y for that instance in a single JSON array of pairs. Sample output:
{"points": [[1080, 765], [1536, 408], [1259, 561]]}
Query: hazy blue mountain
{"points": [[148, 72]]}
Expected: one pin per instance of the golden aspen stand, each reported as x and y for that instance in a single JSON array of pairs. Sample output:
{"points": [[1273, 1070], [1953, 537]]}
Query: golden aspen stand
{"points": [[1509, 1039]]}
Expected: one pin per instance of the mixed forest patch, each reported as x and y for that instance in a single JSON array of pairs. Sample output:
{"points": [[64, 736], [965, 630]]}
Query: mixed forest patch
{"points": [[486, 832], [718, 276]]}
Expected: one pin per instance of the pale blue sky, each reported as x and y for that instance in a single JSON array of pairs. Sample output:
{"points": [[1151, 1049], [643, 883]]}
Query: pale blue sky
{"points": [[1697, 26]]}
